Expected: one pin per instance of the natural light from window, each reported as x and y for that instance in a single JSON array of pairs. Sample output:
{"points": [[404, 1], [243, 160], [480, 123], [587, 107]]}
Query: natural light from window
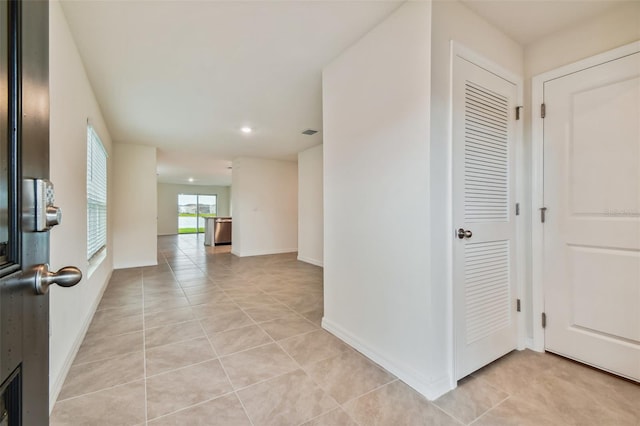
{"points": [[192, 209], [96, 194]]}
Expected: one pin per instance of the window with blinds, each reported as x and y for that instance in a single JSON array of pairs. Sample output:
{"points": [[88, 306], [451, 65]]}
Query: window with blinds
{"points": [[96, 194]]}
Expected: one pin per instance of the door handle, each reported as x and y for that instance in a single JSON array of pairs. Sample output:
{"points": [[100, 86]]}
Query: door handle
{"points": [[462, 233], [40, 278]]}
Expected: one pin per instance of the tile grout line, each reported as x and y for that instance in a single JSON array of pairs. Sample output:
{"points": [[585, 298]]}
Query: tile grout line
{"points": [[246, 413], [176, 343], [274, 342], [319, 415], [144, 354], [300, 367], [259, 382], [172, 325], [102, 360], [184, 367], [144, 346], [369, 392], [98, 390], [486, 383], [261, 345], [145, 358], [255, 323], [290, 307], [108, 358], [489, 410], [175, 278], [193, 405], [437, 407], [339, 405]]}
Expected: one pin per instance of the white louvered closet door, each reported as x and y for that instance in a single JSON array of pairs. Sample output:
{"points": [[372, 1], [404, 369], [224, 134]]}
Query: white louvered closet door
{"points": [[483, 214]]}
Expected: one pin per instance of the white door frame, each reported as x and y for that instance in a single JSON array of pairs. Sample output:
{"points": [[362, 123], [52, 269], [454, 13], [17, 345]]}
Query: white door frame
{"points": [[458, 49], [537, 184]]}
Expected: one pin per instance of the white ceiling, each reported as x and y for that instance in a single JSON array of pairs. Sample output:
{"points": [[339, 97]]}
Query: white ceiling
{"points": [[526, 21], [185, 76]]}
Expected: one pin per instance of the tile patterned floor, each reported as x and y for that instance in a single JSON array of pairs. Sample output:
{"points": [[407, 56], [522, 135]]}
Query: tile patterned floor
{"points": [[206, 338]]}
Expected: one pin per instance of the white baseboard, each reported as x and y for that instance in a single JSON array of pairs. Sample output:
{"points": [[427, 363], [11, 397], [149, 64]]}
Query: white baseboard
{"points": [[126, 265], [54, 391], [263, 252], [311, 261], [528, 343], [430, 389]]}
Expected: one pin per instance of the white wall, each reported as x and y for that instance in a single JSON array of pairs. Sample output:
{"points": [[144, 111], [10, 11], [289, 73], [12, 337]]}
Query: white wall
{"points": [[265, 206], [617, 27], [135, 206], [453, 21], [310, 213], [168, 203], [376, 99], [72, 102]]}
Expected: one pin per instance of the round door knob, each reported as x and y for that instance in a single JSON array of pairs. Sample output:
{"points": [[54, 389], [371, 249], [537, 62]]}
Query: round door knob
{"points": [[39, 278], [462, 233], [65, 277]]}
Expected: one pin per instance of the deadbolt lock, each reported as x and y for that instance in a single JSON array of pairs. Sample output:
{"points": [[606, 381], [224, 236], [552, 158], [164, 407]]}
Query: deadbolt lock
{"points": [[39, 212]]}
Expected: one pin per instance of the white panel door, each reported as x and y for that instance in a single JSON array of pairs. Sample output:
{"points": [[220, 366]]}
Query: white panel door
{"points": [[483, 207], [592, 227]]}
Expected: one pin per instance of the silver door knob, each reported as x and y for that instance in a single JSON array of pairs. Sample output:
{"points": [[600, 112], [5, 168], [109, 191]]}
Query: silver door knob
{"points": [[41, 278], [462, 233]]}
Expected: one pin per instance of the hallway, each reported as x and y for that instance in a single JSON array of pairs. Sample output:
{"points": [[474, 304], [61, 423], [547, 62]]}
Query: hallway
{"points": [[207, 338]]}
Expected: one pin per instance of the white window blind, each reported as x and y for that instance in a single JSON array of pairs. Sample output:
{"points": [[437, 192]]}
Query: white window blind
{"points": [[96, 194]]}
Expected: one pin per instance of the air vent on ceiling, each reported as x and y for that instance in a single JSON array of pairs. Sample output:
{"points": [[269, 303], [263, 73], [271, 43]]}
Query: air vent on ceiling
{"points": [[309, 132]]}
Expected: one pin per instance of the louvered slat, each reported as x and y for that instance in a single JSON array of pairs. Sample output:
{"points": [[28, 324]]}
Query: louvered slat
{"points": [[486, 177], [487, 277]]}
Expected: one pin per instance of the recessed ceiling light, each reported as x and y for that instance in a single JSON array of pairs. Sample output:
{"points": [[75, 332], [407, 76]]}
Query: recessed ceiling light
{"points": [[246, 129], [309, 132], [190, 179]]}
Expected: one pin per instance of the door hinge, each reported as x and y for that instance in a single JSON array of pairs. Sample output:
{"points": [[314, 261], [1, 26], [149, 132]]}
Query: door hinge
{"points": [[517, 209], [517, 305], [544, 320], [543, 214], [518, 112], [543, 110]]}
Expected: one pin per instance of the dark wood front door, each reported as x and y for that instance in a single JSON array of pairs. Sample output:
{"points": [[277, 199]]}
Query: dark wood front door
{"points": [[24, 153]]}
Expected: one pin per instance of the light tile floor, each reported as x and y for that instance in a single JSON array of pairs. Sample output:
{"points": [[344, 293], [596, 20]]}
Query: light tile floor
{"points": [[206, 338]]}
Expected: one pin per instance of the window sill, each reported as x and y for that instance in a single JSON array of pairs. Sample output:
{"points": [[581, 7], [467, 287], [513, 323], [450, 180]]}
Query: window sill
{"points": [[95, 262]]}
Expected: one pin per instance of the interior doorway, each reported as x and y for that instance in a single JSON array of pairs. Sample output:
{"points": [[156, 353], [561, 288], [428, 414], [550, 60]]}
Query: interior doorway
{"points": [[192, 211], [589, 225], [484, 142]]}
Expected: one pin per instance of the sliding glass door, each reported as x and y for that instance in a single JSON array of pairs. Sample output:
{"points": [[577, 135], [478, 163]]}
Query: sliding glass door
{"points": [[192, 209]]}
